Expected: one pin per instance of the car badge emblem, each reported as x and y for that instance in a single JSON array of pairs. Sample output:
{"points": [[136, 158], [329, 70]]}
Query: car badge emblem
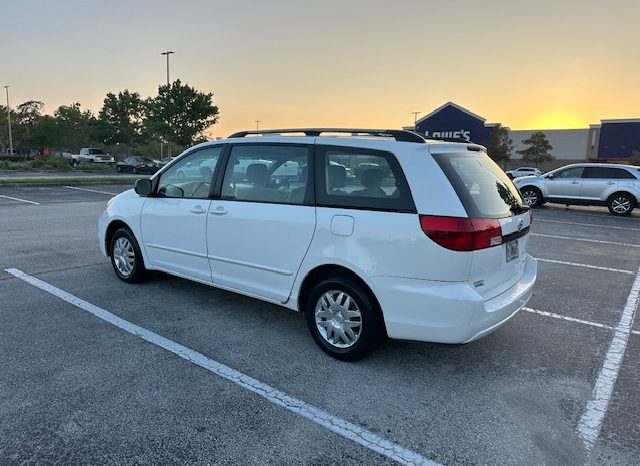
{"points": [[520, 224]]}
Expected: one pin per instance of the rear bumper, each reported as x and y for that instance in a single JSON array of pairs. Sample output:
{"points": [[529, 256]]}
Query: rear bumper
{"points": [[445, 312]]}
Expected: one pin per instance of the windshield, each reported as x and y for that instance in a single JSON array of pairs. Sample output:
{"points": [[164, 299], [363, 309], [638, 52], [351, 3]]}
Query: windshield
{"points": [[483, 188]]}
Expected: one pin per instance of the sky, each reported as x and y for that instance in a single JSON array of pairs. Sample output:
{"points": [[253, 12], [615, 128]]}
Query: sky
{"points": [[326, 63]]}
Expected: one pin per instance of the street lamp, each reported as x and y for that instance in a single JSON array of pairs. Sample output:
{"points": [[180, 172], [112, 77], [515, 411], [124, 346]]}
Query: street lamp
{"points": [[6, 88], [415, 119], [257, 124], [167, 53]]}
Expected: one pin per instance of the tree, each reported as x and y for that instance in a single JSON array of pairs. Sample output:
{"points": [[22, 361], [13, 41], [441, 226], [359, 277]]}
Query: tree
{"points": [[74, 128], [180, 113], [27, 117], [538, 150], [635, 157], [121, 119], [499, 145]]}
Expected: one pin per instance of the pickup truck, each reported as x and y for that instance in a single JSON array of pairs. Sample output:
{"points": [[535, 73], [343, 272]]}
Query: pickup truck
{"points": [[89, 154]]}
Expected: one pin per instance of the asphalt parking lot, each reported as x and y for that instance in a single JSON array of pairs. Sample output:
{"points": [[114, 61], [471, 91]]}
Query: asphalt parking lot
{"points": [[558, 384]]}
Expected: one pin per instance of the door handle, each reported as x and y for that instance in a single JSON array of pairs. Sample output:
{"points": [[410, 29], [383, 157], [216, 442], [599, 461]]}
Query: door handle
{"points": [[219, 211], [575, 182], [197, 210], [611, 182]]}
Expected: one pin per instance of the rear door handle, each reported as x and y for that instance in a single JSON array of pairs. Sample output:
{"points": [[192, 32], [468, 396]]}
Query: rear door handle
{"points": [[611, 182], [219, 211], [197, 210], [575, 182]]}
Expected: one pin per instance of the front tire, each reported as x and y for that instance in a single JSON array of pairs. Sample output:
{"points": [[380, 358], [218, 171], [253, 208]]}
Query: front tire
{"points": [[343, 319], [621, 204], [532, 196], [126, 257]]}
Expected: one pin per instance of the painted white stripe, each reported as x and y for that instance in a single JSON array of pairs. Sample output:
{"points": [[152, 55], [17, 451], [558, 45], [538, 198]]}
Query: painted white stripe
{"points": [[586, 224], [564, 212], [587, 240], [572, 319], [587, 266], [333, 423], [591, 420], [18, 199], [92, 190]]}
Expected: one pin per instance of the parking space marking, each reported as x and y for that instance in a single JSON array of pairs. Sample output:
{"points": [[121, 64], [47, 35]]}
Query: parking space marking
{"points": [[573, 319], [587, 224], [599, 241], [18, 199], [587, 266], [333, 423], [591, 420], [564, 212], [91, 190]]}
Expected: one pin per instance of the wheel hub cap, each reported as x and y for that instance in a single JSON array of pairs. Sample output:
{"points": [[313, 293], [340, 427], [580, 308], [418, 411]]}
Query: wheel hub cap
{"points": [[620, 205], [338, 319], [124, 256]]}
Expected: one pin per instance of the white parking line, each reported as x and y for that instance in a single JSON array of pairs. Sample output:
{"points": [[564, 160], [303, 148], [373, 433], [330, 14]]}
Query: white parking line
{"points": [[591, 420], [333, 423], [565, 212], [599, 241], [587, 266], [587, 224], [18, 199], [573, 319], [91, 190]]}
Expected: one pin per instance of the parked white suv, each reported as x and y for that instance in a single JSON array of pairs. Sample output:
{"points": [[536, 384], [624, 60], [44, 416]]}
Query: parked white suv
{"points": [[613, 185], [426, 241], [523, 171]]}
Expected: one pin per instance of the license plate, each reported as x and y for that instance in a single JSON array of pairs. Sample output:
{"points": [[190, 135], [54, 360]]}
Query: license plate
{"points": [[512, 250]]}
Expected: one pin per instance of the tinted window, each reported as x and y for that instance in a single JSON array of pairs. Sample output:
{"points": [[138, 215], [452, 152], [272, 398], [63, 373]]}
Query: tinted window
{"points": [[267, 173], [625, 174], [361, 178], [483, 188], [191, 177], [574, 172], [600, 172]]}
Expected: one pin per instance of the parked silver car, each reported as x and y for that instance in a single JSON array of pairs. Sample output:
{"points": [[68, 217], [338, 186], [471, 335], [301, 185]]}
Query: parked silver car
{"points": [[523, 171], [616, 186]]}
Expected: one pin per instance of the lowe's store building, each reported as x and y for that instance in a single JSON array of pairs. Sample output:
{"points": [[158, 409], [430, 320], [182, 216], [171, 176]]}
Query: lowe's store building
{"points": [[610, 140]]}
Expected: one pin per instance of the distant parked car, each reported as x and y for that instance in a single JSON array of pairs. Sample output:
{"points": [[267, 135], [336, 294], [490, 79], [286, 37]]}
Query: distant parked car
{"points": [[135, 164], [616, 186], [523, 171]]}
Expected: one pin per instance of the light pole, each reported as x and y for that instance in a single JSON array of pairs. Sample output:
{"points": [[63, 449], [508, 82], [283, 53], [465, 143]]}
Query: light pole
{"points": [[167, 53], [257, 125], [9, 122], [415, 119]]}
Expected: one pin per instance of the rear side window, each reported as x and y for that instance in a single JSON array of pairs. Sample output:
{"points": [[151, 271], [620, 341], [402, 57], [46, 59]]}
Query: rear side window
{"points": [[361, 179], [626, 175], [600, 172], [483, 188]]}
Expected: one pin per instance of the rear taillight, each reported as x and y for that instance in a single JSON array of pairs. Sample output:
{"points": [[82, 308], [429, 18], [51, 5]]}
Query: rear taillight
{"points": [[462, 234]]}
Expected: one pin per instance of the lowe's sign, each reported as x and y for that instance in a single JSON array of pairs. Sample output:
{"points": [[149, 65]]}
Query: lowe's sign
{"points": [[455, 122], [460, 134]]}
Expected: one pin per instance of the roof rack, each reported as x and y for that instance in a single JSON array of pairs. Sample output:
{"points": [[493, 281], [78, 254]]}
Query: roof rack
{"points": [[397, 134]]}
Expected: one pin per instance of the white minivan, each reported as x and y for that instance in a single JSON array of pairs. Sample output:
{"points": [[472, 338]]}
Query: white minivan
{"points": [[424, 240]]}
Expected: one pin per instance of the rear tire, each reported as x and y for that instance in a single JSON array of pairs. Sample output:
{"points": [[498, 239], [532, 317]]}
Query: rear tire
{"points": [[532, 196], [343, 319], [126, 257], [621, 204]]}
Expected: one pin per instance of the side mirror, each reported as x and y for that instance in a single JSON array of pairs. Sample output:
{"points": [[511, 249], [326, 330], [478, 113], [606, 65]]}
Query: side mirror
{"points": [[143, 187], [550, 176]]}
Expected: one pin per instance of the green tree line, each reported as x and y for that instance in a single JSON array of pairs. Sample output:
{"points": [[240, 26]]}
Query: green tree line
{"points": [[126, 123]]}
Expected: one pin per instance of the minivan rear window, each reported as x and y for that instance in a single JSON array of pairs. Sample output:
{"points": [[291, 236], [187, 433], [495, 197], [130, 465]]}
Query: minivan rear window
{"points": [[483, 188]]}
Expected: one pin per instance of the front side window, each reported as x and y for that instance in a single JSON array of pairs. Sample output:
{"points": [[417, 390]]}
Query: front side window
{"points": [[267, 173], [575, 172], [191, 177], [361, 178]]}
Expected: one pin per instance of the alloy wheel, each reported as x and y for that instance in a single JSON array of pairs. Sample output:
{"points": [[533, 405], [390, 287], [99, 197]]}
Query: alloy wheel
{"points": [[124, 256], [338, 319]]}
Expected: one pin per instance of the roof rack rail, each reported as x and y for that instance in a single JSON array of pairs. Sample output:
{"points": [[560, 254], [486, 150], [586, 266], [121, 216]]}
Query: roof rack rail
{"points": [[397, 134], [444, 139]]}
